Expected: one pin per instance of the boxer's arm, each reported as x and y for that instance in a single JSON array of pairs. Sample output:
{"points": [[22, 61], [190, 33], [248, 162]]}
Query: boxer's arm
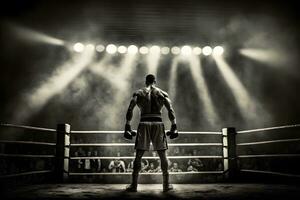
{"points": [[171, 112], [132, 104]]}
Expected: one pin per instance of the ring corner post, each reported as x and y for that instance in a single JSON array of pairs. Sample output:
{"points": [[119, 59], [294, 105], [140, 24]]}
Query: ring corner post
{"points": [[229, 153], [62, 152]]}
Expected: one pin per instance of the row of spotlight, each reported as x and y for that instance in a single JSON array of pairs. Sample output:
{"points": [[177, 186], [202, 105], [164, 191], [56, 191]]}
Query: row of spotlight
{"points": [[132, 49]]}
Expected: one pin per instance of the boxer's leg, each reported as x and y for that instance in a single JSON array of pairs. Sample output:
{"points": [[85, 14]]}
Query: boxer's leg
{"points": [[163, 161], [136, 169], [164, 167]]}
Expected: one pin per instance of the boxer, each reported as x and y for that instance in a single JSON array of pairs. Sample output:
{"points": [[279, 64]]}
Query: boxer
{"points": [[150, 101]]}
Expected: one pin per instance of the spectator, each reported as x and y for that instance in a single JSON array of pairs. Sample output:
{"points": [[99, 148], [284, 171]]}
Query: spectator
{"points": [[130, 164], [156, 161], [176, 151], [79, 162], [152, 168], [96, 163], [117, 165], [87, 162], [175, 168], [144, 166], [190, 168], [81, 152], [195, 162]]}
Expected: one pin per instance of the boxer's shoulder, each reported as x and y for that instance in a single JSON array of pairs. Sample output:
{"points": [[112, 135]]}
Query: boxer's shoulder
{"points": [[161, 92], [138, 93]]}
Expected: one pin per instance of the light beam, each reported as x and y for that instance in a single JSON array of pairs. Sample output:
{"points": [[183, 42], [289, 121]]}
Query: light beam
{"points": [[267, 56], [35, 36], [153, 60], [173, 78], [250, 109], [202, 90]]}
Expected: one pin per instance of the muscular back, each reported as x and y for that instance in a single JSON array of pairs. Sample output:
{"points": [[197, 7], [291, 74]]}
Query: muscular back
{"points": [[150, 101]]}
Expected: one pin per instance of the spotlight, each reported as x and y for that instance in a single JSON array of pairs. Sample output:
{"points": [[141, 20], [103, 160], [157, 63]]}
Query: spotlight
{"points": [[207, 50], [90, 47], [186, 50], [197, 50], [100, 48], [122, 49], [111, 48], [165, 50], [218, 50], [144, 50], [175, 50], [78, 47], [132, 49], [155, 49]]}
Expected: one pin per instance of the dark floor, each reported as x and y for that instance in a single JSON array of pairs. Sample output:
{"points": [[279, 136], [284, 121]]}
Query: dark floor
{"points": [[154, 191]]}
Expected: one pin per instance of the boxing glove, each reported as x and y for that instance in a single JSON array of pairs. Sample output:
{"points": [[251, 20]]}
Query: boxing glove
{"points": [[173, 132], [128, 133]]}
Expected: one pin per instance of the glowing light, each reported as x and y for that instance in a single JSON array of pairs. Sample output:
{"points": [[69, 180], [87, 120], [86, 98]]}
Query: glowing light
{"points": [[144, 50], [175, 50], [78, 47], [218, 50], [155, 49], [111, 49], [197, 50], [100, 48], [207, 50], [165, 50], [132, 49], [186, 50], [122, 49]]}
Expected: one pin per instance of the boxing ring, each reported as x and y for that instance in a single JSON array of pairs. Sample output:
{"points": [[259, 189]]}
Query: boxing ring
{"points": [[230, 144]]}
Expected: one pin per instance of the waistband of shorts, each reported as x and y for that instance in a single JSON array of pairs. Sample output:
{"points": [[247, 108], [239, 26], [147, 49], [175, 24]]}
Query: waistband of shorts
{"points": [[151, 119]]}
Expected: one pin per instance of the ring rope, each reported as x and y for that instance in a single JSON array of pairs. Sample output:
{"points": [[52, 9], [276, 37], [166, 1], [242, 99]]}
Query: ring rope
{"points": [[270, 172], [268, 142], [270, 128], [29, 127], [27, 142], [26, 173], [132, 144], [120, 132], [159, 173], [146, 157], [26, 155], [268, 155]]}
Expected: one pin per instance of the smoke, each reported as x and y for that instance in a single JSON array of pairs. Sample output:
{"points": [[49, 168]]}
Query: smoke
{"points": [[264, 38], [38, 97], [120, 78]]}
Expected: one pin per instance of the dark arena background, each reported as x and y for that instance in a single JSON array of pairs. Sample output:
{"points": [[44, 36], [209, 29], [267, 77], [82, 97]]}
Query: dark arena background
{"points": [[69, 69]]}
